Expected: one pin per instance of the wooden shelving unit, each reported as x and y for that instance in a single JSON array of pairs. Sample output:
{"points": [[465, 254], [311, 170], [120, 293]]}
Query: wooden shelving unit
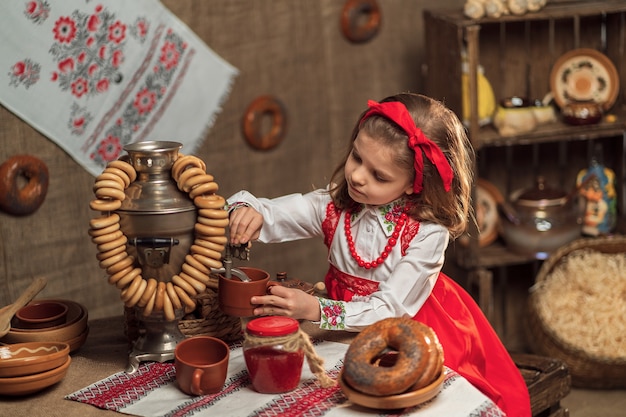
{"points": [[517, 54]]}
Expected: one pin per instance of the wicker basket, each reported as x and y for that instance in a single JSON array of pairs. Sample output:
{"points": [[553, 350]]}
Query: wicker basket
{"points": [[207, 319], [587, 370]]}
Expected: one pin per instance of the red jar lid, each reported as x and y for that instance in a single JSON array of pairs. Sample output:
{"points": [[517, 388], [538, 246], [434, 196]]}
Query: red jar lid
{"points": [[272, 326]]}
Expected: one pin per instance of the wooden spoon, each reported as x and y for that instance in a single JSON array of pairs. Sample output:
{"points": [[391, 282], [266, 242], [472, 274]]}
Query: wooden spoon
{"points": [[7, 313]]}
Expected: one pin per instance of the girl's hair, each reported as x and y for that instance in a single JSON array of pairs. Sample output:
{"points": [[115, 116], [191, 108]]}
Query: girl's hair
{"points": [[451, 209]]}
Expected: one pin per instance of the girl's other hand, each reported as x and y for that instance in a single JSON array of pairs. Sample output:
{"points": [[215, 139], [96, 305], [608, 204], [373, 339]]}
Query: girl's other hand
{"points": [[290, 302], [245, 225]]}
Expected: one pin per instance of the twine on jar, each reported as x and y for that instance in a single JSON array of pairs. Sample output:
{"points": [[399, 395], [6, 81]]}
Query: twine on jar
{"points": [[294, 342]]}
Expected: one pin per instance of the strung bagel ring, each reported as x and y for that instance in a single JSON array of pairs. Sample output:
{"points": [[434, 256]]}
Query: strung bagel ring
{"points": [[22, 200], [105, 231], [253, 123], [360, 20]]}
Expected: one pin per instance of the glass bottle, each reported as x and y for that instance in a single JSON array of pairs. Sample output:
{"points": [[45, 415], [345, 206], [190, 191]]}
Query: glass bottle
{"points": [[273, 354]]}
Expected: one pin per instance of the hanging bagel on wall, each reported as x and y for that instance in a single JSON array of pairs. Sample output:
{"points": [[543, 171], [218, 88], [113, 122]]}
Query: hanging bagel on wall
{"points": [[23, 184], [360, 20], [253, 123]]}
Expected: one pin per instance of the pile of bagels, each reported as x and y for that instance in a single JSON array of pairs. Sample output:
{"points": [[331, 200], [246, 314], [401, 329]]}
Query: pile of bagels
{"points": [[416, 351], [148, 293]]}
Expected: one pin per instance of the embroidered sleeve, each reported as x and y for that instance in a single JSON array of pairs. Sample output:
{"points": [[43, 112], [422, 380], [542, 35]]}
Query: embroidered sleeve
{"points": [[333, 314]]}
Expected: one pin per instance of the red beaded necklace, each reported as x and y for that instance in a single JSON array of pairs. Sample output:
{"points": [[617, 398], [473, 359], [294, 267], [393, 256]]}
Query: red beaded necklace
{"points": [[393, 239]]}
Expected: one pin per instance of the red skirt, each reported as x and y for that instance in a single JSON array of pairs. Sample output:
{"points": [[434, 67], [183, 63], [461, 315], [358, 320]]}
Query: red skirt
{"points": [[472, 347]]}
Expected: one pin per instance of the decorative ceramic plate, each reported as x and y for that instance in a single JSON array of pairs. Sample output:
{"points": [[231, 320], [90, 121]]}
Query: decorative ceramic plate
{"points": [[404, 400], [486, 210], [31, 358], [584, 75]]}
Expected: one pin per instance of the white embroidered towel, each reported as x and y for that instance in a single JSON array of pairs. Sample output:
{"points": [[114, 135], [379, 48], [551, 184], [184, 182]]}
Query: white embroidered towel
{"points": [[94, 76]]}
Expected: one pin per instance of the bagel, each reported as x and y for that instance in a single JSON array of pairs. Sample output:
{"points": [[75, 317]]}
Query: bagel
{"points": [[204, 230], [216, 214], [168, 308], [22, 200], [101, 256], [197, 180], [181, 164], [111, 177], [188, 302], [104, 221], [212, 222], [187, 175], [104, 230], [118, 172], [113, 279], [202, 189], [149, 307], [102, 183], [171, 292], [149, 291], [419, 357], [210, 245], [132, 302], [212, 201], [105, 205], [160, 296], [127, 168]]}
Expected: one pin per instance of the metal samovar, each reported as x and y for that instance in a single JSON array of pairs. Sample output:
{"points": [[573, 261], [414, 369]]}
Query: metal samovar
{"points": [[158, 219]]}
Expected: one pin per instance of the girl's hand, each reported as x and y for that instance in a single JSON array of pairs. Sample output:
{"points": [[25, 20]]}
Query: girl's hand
{"points": [[290, 302], [245, 225]]}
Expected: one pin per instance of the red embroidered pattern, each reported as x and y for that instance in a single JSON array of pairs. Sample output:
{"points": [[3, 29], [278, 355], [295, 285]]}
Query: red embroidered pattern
{"points": [[356, 285], [307, 400], [122, 389], [329, 225], [408, 233]]}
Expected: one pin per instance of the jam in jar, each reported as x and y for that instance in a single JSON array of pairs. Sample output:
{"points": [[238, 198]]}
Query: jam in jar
{"points": [[273, 353]]}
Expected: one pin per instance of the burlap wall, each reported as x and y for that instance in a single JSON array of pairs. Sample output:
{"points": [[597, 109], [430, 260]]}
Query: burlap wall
{"points": [[293, 50]]}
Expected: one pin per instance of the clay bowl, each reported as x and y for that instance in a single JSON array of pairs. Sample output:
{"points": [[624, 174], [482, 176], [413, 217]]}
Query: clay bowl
{"points": [[29, 384], [31, 358], [390, 402], [42, 314], [72, 331]]}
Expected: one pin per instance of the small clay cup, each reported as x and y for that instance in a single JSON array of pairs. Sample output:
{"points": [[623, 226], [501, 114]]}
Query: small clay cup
{"points": [[234, 294], [42, 314], [201, 364]]}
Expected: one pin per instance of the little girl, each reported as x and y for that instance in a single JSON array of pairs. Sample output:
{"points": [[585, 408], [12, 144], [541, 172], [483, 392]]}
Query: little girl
{"points": [[402, 191]]}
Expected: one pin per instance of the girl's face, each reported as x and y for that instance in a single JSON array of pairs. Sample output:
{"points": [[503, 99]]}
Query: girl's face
{"points": [[372, 174]]}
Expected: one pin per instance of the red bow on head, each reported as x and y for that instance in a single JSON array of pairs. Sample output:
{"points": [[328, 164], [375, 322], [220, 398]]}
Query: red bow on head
{"points": [[397, 113]]}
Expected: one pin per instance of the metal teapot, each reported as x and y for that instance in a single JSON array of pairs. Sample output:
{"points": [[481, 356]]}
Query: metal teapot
{"points": [[539, 220]]}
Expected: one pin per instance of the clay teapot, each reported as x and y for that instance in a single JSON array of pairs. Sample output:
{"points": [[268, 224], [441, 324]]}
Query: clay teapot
{"points": [[538, 220]]}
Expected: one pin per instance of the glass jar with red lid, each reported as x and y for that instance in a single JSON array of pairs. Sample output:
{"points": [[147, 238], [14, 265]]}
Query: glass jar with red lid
{"points": [[273, 353]]}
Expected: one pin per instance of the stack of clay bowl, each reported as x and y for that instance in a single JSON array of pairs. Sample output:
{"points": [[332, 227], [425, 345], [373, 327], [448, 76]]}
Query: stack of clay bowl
{"points": [[50, 321], [26, 368]]}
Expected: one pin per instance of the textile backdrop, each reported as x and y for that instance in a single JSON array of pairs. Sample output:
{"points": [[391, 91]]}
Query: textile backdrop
{"points": [[293, 50]]}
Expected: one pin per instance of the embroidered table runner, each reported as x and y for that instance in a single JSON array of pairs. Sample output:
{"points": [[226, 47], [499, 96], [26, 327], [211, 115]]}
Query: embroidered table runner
{"points": [[94, 76], [152, 391]]}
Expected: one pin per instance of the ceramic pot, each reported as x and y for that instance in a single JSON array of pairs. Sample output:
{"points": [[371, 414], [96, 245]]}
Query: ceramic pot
{"points": [[582, 113], [540, 220]]}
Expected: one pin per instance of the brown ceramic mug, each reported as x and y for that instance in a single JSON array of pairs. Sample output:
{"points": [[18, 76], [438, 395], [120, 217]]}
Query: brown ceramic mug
{"points": [[201, 364], [234, 294]]}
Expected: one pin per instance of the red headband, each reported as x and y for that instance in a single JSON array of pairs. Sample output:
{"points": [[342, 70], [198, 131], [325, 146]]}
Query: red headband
{"points": [[397, 113]]}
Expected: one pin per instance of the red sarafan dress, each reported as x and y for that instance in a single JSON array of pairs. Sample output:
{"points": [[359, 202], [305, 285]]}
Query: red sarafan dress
{"points": [[471, 346]]}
